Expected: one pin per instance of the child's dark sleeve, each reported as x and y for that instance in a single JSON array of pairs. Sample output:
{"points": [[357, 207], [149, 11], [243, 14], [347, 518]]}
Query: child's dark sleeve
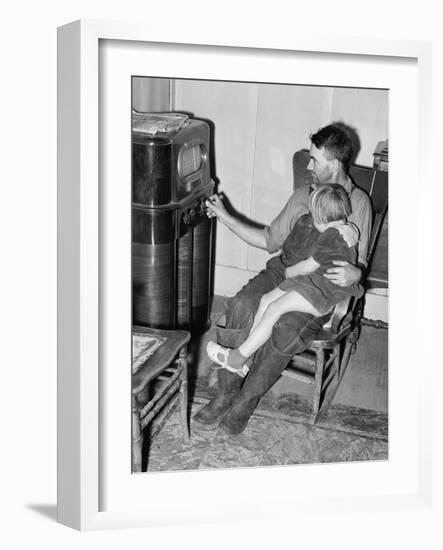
{"points": [[329, 246]]}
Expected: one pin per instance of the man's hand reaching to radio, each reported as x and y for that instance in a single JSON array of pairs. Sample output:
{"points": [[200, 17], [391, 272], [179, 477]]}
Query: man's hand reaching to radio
{"points": [[216, 208]]}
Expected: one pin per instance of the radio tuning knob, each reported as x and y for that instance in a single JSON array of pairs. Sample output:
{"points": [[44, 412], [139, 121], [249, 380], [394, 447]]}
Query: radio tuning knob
{"points": [[202, 206]]}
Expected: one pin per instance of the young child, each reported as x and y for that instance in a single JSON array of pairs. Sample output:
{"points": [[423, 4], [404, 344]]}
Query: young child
{"points": [[317, 239]]}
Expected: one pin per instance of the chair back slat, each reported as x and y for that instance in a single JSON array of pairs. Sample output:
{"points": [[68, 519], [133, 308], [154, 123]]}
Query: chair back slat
{"points": [[302, 176], [377, 223], [375, 183]]}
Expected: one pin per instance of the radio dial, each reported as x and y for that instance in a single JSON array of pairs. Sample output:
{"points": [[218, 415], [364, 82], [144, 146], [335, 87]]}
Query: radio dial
{"points": [[202, 207]]}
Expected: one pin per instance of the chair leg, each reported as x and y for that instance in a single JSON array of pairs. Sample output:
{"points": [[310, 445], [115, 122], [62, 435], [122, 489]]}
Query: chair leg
{"points": [[355, 334], [345, 359], [320, 360], [341, 364], [184, 391], [137, 440]]}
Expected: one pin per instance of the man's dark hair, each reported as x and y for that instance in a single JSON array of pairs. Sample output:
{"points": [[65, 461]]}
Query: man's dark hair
{"points": [[336, 140]]}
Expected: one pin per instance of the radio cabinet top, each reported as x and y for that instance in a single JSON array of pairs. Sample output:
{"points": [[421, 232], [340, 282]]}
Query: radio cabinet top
{"points": [[168, 166]]}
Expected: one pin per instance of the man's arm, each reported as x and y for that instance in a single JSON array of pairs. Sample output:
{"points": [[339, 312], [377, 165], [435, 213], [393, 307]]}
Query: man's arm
{"points": [[345, 274], [248, 233]]}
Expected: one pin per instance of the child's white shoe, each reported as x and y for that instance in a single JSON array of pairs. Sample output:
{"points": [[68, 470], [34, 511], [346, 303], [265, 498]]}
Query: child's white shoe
{"points": [[218, 354]]}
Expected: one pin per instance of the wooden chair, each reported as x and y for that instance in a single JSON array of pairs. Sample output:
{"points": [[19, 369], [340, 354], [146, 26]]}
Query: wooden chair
{"points": [[324, 363], [159, 380]]}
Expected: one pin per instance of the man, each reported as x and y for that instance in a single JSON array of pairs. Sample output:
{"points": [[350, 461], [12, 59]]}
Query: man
{"points": [[331, 153]]}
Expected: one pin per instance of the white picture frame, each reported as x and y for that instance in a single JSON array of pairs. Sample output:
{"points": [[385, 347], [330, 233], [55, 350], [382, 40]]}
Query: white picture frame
{"points": [[84, 300]]}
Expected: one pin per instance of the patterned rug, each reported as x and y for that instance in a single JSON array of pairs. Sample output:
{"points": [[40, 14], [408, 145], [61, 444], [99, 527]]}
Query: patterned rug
{"points": [[277, 434]]}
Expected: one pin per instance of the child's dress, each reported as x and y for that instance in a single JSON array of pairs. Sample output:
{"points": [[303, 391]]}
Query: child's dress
{"points": [[336, 243]]}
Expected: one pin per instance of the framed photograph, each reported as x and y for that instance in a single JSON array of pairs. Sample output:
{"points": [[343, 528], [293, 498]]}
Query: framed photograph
{"points": [[241, 109]]}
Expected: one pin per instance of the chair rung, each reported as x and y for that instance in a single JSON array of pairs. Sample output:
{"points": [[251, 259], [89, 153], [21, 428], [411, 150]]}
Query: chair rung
{"points": [[173, 382], [305, 363], [297, 375], [149, 412]]}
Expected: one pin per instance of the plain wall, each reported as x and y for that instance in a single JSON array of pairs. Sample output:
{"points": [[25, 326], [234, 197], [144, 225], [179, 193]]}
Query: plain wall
{"points": [[151, 94]]}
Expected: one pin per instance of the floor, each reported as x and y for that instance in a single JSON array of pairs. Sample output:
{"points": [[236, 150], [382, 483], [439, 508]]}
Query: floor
{"points": [[279, 432]]}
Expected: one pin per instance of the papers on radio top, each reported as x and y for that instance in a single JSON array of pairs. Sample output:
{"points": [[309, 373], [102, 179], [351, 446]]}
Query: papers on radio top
{"points": [[154, 123]]}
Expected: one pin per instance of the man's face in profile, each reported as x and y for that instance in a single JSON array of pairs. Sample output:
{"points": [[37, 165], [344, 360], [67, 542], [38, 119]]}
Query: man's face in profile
{"points": [[321, 167]]}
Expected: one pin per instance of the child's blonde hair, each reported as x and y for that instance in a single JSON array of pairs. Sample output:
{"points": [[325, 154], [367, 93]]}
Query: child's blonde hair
{"points": [[329, 203]]}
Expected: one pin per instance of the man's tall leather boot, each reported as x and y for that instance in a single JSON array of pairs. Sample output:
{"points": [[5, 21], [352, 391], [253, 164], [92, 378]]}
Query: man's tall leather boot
{"points": [[228, 383], [211, 414], [263, 374]]}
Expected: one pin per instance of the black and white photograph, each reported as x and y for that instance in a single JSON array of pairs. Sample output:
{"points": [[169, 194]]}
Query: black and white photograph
{"points": [[260, 284]]}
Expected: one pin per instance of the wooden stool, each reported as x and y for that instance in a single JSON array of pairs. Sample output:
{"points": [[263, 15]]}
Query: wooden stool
{"points": [[159, 355]]}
